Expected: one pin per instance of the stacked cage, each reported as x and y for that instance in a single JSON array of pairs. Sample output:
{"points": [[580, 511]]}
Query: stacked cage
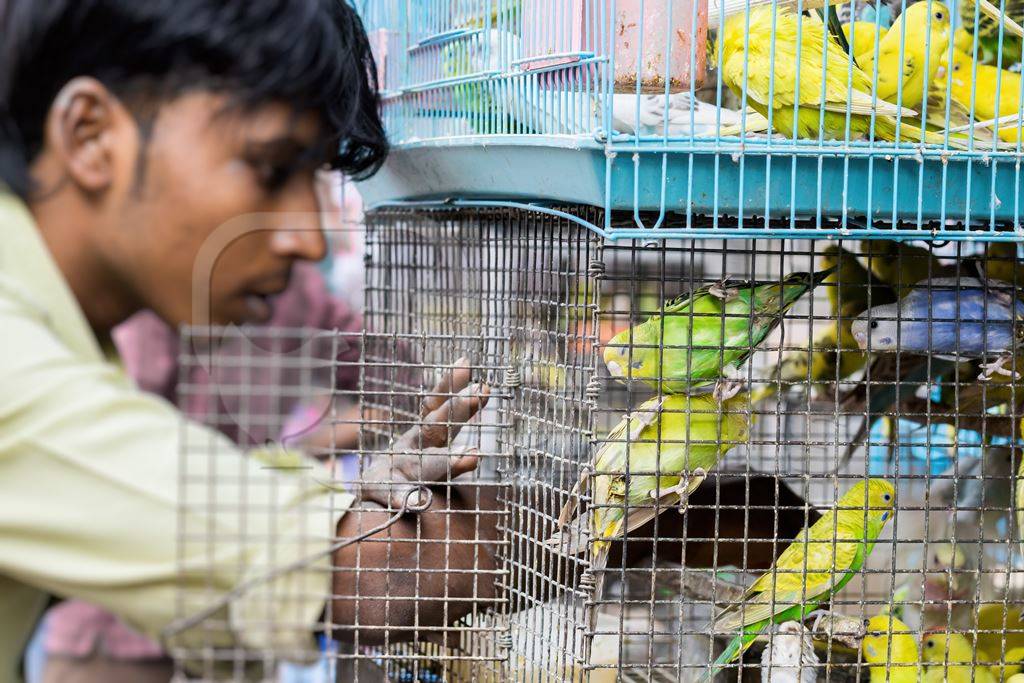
{"points": [[742, 279]]}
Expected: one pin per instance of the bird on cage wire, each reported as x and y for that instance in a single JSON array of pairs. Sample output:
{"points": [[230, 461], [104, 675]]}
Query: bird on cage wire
{"points": [[890, 651], [883, 93], [703, 337], [813, 568], [978, 26]]}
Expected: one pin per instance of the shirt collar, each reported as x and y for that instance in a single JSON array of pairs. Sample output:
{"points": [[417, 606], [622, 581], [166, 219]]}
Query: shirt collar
{"points": [[29, 273]]}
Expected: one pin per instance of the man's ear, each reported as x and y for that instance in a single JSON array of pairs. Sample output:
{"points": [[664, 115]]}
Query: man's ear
{"points": [[82, 132]]}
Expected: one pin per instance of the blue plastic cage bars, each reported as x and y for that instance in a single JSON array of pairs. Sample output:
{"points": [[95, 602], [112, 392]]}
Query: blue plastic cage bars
{"points": [[660, 109]]}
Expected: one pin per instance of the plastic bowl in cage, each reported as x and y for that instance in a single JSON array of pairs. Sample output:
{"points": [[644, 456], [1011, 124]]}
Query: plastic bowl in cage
{"points": [[652, 40]]}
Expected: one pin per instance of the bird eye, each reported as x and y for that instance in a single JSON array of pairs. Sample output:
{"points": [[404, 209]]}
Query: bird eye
{"points": [[929, 643], [874, 324], [939, 15], [956, 67], [886, 497]]}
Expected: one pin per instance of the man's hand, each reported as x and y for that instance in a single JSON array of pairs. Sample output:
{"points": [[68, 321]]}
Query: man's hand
{"points": [[421, 455]]}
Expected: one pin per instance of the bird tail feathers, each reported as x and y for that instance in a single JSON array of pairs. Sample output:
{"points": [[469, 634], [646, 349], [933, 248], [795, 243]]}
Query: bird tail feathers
{"points": [[736, 647]]}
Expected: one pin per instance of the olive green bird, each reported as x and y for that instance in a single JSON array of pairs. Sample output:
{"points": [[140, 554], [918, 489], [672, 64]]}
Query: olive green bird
{"points": [[833, 352], [705, 335], [813, 568], [813, 108], [899, 265], [651, 461]]}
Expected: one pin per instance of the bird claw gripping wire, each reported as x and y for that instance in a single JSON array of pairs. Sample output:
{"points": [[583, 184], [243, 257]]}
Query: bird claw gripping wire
{"points": [[828, 625], [723, 291], [998, 367], [726, 389], [424, 499], [698, 474]]}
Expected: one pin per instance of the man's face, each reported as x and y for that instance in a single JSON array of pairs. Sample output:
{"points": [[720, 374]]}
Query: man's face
{"points": [[220, 207]]}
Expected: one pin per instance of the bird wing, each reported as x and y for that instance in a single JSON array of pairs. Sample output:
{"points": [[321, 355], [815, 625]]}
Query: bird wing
{"points": [[780, 92], [889, 76], [611, 457], [811, 570]]}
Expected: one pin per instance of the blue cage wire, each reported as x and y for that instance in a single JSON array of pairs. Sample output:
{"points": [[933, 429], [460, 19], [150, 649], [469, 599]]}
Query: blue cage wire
{"points": [[630, 106]]}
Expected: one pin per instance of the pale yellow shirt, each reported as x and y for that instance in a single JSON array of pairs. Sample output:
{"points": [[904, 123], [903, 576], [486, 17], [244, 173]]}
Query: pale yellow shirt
{"points": [[94, 503]]}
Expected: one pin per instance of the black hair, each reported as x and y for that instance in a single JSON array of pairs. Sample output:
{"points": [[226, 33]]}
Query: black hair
{"points": [[311, 54]]}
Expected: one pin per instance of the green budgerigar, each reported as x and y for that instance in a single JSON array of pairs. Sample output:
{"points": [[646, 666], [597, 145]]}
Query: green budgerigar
{"points": [[653, 459], [814, 567], [890, 651], [706, 335]]}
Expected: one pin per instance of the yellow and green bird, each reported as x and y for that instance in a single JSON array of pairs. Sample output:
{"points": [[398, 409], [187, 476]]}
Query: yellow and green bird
{"points": [[705, 335], [651, 461], [909, 54], [986, 33], [812, 108], [952, 657], [890, 651], [814, 567]]}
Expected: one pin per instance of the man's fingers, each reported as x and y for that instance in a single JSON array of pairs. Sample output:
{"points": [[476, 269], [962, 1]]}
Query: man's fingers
{"points": [[463, 464], [391, 484], [437, 464], [444, 424], [452, 382]]}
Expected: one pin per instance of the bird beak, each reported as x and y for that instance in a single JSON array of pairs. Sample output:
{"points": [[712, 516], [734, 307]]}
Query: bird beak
{"points": [[1009, 25]]}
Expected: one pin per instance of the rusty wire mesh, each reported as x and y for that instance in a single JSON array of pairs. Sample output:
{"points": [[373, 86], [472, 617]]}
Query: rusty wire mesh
{"points": [[535, 302]]}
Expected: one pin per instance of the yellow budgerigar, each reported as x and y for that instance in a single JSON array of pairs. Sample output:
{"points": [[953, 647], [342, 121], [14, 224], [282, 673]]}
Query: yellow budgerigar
{"points": [[953, 658], [807, 109], [862, 42], [1000, 628], [910, 53], [974, 85], [890, 650]]}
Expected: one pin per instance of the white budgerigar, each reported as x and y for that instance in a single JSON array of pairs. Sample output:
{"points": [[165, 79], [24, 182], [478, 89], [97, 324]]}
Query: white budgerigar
{"points": [[789, 657]]}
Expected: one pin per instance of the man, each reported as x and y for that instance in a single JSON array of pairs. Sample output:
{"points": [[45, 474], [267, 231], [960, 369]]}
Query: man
{"points": [[161, 155], [86, 644]]}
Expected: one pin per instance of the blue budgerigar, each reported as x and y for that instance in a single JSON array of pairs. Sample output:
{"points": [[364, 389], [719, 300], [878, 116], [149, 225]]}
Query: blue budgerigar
{"points": [[947, 318]]}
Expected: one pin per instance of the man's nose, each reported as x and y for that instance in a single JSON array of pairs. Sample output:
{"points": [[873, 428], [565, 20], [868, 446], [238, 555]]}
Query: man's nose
{"points": [[306, 243]]}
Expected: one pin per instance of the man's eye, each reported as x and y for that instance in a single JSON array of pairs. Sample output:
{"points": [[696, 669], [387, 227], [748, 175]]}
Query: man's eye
{"points": [[273, 177], [276, 177]]}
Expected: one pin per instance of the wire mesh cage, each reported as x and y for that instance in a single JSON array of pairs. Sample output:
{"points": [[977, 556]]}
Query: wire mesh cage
{"points": [[837, 422], [752, 116]]}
